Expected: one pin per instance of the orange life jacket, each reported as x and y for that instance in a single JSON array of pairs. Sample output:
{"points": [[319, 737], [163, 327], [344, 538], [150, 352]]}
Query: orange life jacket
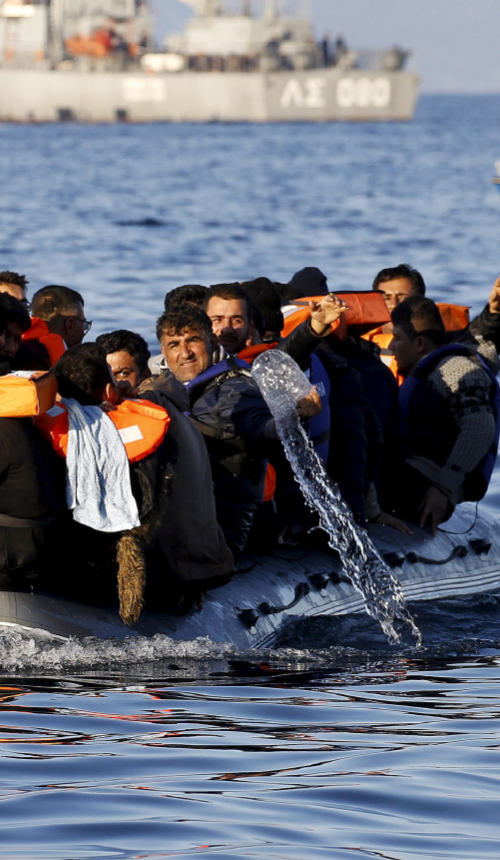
{"points": [[250, 353], [142, 427], [53, 343], [383, 341], [270, 483], [27, 396], [365, 310], [455, 318], [298, 312]]}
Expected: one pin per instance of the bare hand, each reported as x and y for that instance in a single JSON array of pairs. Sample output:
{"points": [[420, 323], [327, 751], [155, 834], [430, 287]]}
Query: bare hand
{"points": [[494, 300], [394, 522], [310, 405], [434, 505], [325, 313]]}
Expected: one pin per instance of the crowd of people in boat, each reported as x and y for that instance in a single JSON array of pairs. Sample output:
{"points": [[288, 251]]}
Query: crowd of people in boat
{"points": [[143, 479]]}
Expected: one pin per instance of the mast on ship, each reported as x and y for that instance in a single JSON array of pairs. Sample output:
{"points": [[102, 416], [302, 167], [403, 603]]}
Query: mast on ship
{"points": [[270, 10], [205, 8]]}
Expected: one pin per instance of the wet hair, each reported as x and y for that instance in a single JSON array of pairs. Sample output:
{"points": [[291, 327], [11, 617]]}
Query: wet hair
{"points": [[182, 316], [401, 271], [14, 278], [83, 373], [236, 292], [54, 301], [128, 341], [15, 311], [195, 294], [420, 317]]}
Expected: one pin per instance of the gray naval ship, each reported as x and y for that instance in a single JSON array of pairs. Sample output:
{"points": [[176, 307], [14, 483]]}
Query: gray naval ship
{"points": [[95, 61]]}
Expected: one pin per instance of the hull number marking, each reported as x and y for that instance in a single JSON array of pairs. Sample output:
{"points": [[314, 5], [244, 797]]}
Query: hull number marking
{"points": [[363, 92], [311, 95]]}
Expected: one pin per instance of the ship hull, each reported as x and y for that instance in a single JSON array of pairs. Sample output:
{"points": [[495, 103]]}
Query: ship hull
{"points": [[322, 95]]}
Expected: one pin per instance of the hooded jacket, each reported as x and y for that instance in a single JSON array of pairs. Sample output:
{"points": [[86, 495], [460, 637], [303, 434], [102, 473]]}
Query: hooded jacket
{"points": [[227, 406], [190, 539]]}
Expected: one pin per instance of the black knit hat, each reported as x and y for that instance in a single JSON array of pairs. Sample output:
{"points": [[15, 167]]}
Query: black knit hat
{"points": [[310, 281], [265, 297]]}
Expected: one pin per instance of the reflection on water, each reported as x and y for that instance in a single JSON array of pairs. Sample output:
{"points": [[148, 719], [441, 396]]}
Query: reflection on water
{"points": [[394, 759]]}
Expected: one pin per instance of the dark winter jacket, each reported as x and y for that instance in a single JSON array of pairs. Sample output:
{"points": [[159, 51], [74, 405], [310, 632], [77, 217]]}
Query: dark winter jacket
{"points": [[190, 540], [237, 424], [380, 396], [348, 454], [301, 343], [32, 497]]}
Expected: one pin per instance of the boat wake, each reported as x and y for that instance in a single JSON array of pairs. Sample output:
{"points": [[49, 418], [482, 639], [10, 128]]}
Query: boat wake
{"points": [[23, 650]]}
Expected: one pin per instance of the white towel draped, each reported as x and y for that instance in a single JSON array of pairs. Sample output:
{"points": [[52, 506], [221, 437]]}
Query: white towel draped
{"points": [[98, 488]]}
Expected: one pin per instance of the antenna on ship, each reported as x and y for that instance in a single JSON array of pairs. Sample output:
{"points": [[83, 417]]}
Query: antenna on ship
{"points": [[271, 10]]}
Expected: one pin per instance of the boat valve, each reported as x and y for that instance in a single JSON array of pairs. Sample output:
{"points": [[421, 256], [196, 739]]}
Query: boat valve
{"points": [[319, 581], [480, 546], [394, 559], [249, 618]]}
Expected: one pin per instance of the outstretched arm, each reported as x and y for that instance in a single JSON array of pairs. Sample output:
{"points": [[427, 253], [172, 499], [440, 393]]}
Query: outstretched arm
{"points": [[303, 340]]}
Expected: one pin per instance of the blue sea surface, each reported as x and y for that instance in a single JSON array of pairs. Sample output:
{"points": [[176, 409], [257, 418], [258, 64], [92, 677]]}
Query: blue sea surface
{"points": [[334, 744]]}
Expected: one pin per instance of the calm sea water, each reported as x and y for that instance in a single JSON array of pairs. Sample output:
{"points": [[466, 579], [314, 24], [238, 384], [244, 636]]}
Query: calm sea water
{"points": [[334, 745]]}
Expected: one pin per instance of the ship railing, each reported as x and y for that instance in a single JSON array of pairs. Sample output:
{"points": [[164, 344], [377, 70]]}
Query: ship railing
{"points": [[390, 60], [23, 59]]}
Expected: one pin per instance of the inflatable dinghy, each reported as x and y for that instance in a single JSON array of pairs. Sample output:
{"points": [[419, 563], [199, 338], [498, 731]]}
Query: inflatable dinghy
{"points": [[464, 558]]}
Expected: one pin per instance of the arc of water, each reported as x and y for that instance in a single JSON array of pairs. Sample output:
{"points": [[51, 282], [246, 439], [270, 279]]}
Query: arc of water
{"points": [[282, 384]]}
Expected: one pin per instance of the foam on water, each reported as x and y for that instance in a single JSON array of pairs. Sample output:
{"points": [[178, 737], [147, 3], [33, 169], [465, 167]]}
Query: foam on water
{"points": [[282, 384], [22, 650]]}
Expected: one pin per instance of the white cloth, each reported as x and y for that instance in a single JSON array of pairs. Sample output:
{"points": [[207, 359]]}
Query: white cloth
{"points": [[98, 488]]}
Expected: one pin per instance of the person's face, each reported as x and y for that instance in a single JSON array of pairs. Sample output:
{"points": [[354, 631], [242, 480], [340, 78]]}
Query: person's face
{"points": [[408, 352], [188, 354], [16, 291], [126, 371], [396, 291], [230, 322], [13, 336], [75, 327]]}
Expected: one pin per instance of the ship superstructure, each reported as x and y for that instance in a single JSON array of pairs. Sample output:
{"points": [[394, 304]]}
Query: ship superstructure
{"points": [[235, 61]]}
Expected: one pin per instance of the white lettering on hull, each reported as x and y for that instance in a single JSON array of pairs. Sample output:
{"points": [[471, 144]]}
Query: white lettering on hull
{"points": [[363, 92], [144, 90], [311, 96], [351, 92]]}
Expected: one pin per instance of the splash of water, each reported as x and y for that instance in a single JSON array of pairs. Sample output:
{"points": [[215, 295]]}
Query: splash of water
{"points": [[282, 384]]}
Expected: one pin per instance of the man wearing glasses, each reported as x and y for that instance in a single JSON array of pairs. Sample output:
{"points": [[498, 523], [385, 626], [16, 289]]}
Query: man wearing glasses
{"points": [[57, 321]]}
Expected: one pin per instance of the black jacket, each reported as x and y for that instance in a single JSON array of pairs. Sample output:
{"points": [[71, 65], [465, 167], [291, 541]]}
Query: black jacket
{"points": [[300, 343], [379, 397], [32, 491], [190, 542], [237, 425], [348, 455]]}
